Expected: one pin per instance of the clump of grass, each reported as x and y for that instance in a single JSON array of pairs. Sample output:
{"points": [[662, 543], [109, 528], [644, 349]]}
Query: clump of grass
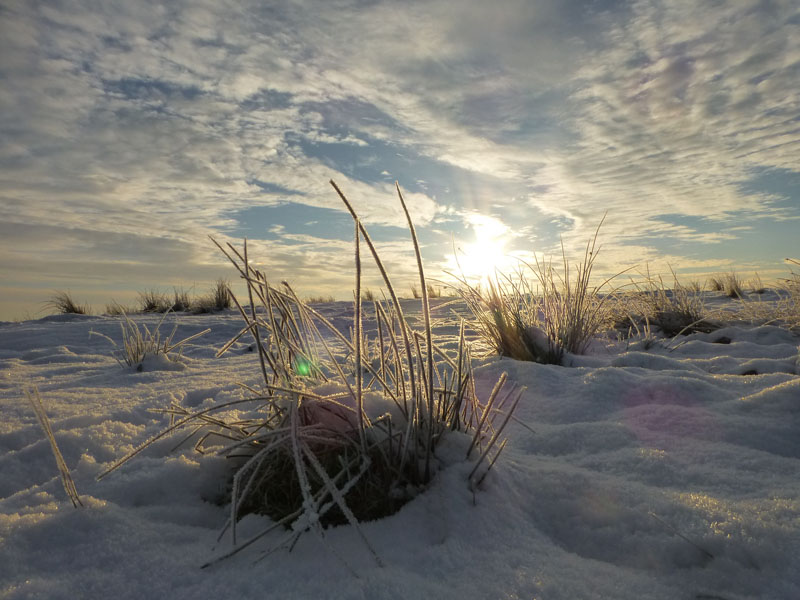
{"points": [[204, 305], [540, 313], [506, 315], [574, 312], [368, 296], [218, 298], [139, 342], [793, 282], [728, 283], [629, 317], [733, 286], [221, 294], [153, 301], [319, 299], [678, 310], [715, 283], [115, 309], [63, 303], [324, 445], [757, 285], [782, 311], [694, 287], [181, 301], [791, 305]]}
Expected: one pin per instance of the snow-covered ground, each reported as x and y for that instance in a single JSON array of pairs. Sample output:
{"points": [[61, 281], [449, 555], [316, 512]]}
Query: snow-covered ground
{"points": [[669, 472]]}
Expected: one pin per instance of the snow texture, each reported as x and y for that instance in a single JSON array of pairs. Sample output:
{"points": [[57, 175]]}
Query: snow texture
{"points": [[662, 472]]}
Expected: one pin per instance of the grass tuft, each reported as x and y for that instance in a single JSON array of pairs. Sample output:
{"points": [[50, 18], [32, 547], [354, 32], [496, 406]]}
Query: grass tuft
{"points": [[325, 443], [728, 283], [506, 315], [63, 303], [181, 301], [319, 299], [218, 298], [679, 310], [733, 286], [221, 294], [115, 309], [139, 342], [540, 314], [153, 301], [434, 292], [757, 285], [694, 287], [790, 308]]}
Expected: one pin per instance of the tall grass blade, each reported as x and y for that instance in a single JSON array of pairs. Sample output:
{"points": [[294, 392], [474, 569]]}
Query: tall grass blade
{"points": [[35, 400]]}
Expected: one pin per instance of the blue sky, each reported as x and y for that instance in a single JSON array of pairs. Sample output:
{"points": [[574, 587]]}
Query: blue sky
{"points": [[131, 131]]}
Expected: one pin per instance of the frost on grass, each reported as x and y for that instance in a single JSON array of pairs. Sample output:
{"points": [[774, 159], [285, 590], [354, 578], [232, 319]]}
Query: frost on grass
{"points": [[145, 349], [329, 437], [539, 314], [35, 400]]}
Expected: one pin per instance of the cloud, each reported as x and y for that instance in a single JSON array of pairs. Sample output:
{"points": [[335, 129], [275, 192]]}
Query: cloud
{"points": [[674, 116], [156, 124]]}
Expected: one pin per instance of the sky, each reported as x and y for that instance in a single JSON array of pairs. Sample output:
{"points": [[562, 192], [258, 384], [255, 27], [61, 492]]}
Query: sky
{"points": [[132, 131]]}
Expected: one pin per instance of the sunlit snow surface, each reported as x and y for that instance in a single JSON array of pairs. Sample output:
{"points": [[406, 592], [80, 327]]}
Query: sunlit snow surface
{"points": [[667, 472]]}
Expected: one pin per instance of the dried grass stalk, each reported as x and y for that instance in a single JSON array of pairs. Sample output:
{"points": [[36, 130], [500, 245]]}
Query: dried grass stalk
{"points": [[330, 441], [35, 401]]}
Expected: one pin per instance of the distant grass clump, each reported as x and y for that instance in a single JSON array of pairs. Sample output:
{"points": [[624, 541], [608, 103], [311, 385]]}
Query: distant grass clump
{"points": [[221, 294], [679, 310], [790, 308], [217, 299], [782, 310], [333, 438], [153, 301], [319, 299], [793, 281], [757, 285], [733, 286], [728, 283], [115, 309], [694, 287], [540, 313], [63, 303], [715, 283], [181, 301], [204, 305], [434, 292]]}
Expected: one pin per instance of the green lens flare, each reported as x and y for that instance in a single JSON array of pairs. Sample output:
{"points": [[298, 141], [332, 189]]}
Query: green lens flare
{"points": [[302, 367]]}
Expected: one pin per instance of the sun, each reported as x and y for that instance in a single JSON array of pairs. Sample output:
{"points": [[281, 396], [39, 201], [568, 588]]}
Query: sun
{"points": [[487, 254]]}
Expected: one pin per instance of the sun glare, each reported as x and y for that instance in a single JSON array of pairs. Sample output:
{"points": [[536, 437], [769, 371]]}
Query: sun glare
{"points": [[484, 256]]}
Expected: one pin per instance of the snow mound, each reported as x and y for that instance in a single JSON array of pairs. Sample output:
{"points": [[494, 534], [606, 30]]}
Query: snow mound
{"points": [[662, 470]]}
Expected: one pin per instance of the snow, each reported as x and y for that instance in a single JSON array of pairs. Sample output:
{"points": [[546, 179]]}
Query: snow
{"points": [[666, 470]]}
